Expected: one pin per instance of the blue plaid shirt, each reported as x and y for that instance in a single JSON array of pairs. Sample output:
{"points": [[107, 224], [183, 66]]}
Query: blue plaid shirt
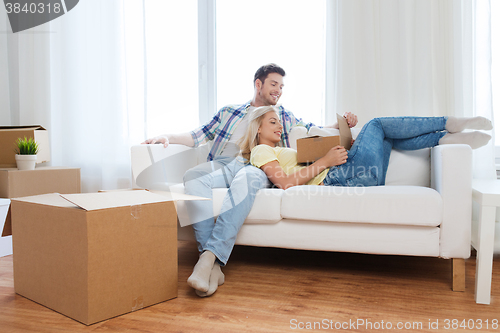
{"points": [[224, 122]]}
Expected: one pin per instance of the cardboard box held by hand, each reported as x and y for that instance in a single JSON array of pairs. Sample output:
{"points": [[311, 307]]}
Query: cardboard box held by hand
{"points": [[312, 148], [94, 256]]}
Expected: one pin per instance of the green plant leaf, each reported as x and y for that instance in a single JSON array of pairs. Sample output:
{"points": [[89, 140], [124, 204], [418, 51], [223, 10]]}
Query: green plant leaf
{"points": [[26, 146]]}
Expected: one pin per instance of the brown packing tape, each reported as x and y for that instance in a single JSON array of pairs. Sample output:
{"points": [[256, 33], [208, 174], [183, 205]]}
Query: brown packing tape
{"points": [[137, 303], [135, 211]]}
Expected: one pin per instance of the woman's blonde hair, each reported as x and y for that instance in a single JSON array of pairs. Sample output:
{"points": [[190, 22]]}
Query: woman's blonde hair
{"points": [[251, 138]]}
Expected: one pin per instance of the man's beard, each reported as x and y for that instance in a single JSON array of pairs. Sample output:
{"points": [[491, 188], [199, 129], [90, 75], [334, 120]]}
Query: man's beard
{"points": [[270, 101]]}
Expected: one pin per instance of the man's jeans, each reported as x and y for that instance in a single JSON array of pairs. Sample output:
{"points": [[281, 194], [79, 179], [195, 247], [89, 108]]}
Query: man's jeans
{"points": [[243, 182], [368, 158]]}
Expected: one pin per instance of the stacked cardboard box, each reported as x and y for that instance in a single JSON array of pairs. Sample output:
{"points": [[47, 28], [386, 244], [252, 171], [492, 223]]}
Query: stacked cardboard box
{"points": [[88, 256], [15, 183], [9, 136]]}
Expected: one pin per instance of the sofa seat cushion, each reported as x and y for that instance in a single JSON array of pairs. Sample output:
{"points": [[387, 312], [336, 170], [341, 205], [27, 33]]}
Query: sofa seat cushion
{"points": [[401, 205], [266, 208]]}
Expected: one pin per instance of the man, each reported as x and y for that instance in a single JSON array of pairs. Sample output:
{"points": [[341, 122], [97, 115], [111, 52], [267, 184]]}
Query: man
{"points": [[225, 170]]}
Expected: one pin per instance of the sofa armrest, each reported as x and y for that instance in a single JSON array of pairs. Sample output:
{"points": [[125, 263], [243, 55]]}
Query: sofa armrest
{"points": [[451, 176], [153, 165]]}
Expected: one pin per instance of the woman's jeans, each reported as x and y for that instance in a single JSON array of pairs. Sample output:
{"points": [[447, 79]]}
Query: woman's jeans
{"points": [[218, 236], [368, 158]]}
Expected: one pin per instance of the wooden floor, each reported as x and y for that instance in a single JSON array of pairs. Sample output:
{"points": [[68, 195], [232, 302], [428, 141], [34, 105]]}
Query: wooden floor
{"points": [[277, 290]]}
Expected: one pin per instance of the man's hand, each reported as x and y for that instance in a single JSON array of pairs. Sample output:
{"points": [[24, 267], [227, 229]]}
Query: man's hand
{"points": [[351, 118], [180, 139], [157, 140]]}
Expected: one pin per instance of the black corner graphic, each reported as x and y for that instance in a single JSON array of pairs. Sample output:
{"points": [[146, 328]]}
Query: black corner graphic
{"points": [[70, 4], [26, 14]]}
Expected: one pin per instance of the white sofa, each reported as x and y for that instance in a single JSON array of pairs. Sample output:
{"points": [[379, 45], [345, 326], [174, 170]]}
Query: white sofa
{"points": [[424, 209]]}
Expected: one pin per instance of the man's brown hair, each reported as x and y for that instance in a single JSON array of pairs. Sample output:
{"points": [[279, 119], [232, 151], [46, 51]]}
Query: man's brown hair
{"points": [[265, 70]]}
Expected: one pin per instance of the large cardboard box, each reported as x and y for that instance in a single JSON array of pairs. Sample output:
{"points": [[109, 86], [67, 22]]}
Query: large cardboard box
{"points": [[96, 256], [10, 134], [16, 183], [310, 149]]}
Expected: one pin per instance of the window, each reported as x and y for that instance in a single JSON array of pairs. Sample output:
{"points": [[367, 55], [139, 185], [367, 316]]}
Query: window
{"points": [[248, 34], [171, 34], [290, 33]]}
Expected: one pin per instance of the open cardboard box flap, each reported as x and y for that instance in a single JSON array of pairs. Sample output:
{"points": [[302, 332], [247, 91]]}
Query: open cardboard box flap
{"points": [[345, 132], [102, 200], [114, 199], [20, 128]]}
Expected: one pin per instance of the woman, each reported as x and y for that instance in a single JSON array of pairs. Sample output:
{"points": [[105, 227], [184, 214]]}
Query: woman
{"points": [[365, 164]]}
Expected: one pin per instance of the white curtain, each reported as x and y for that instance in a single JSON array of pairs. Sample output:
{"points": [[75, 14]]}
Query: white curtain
{"points": [[76, 77], [73, 77], [412, 57]]}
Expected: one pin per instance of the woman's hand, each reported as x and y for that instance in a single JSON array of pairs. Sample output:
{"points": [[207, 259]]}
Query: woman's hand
{"points": [[335, 156], [351, 118]]}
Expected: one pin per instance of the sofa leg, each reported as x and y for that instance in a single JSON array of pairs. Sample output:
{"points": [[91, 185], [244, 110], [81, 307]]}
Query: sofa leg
{"points": [[458, 274]]}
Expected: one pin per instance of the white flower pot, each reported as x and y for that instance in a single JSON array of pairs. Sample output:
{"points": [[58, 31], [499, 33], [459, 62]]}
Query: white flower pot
{"points": [[25, 162]]}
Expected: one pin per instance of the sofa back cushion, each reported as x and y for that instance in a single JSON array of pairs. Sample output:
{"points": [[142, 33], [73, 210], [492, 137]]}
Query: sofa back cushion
{"points": [[405, 167]]}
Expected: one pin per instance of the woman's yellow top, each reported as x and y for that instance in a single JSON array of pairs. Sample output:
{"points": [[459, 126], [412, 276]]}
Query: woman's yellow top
{"points": [[287, 159]]}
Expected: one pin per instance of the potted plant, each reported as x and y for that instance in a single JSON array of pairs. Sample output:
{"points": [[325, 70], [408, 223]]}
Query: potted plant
{"points": [[26, 153]]}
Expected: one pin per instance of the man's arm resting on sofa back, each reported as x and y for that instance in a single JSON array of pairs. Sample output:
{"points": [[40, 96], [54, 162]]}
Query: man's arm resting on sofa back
{"points": [[166, 139]]}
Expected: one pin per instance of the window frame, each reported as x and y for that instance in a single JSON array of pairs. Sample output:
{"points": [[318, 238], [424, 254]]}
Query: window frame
{"points": [[207, 61]]}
